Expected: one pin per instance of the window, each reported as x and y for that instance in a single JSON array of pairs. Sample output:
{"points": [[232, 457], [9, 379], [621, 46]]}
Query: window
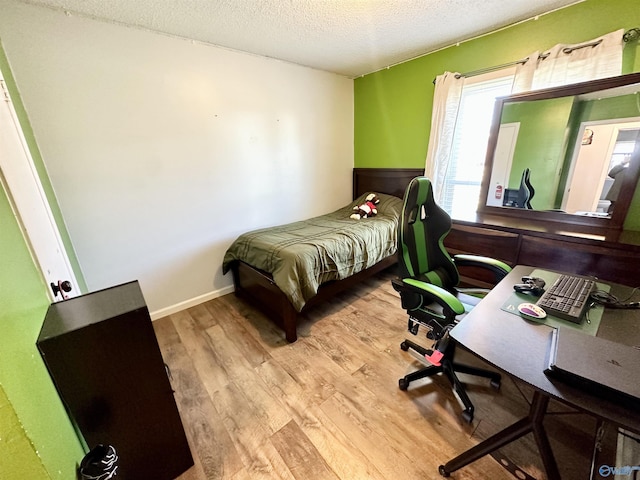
{"points": [[469, 148]]}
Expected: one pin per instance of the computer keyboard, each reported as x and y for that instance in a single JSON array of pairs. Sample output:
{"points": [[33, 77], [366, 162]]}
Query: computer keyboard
{"points": [[567, 298]]}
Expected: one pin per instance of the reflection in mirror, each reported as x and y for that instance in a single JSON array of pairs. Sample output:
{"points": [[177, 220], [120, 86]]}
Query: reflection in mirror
{"points": [[601, 160], [566, 150]]}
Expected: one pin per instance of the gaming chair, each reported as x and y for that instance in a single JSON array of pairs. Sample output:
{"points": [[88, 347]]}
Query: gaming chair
{"points": [[521, 197], [427, 287]]}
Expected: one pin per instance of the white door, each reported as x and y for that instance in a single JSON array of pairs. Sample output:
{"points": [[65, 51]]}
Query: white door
{"points": [[22, 184], [503, 157], [591, 163]]}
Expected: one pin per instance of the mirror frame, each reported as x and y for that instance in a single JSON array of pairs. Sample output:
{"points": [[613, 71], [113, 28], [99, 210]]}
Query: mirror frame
{"points": [[630, 181]]}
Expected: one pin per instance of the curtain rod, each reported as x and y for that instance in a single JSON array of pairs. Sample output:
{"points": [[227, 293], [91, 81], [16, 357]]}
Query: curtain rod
{"points": [[629, 35], [490, 69]]}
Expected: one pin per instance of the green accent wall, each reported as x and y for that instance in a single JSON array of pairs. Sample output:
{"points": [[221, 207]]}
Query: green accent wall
{"points": [[625, 106], [392, 107], [41, 441], [540, 145], [31, 395], [18, 459]]}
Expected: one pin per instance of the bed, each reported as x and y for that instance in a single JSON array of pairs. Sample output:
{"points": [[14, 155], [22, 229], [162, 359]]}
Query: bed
{"points": [[285, 270]]}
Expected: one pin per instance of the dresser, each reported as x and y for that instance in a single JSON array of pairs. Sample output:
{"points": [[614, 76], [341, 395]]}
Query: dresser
{"points": [[103, 357], [609, 255]]}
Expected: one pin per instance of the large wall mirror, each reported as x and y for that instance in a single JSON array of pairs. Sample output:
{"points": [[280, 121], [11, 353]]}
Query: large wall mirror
{"points": [[569, 154]]}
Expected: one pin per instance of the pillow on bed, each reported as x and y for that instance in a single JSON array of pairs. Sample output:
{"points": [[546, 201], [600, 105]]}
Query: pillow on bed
{"points": [[388, 205]]}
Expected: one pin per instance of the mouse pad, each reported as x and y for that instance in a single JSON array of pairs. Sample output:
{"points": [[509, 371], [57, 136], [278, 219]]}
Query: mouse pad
{"points": [[587, 327]]}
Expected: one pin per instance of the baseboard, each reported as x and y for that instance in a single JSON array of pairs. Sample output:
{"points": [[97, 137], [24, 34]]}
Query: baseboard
{"points": [[192, 302]]}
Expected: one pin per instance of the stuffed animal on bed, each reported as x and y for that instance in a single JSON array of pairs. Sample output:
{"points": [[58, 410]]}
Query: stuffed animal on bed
{"points": [[367, 209]]}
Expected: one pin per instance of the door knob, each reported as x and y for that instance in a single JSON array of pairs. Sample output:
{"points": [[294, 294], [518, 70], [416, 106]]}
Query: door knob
{"points": [[61, 288]]}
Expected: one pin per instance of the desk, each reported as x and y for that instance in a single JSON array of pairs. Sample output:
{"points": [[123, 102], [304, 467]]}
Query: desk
{"points": [[519, 348]]}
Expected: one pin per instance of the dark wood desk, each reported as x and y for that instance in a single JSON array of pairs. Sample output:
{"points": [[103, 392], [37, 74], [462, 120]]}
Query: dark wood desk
{"points": [[519, 348]]}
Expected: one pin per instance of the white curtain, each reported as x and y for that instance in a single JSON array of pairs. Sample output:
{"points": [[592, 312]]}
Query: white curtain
{"points": [[446, 100], [563, 64], [523, 78]]}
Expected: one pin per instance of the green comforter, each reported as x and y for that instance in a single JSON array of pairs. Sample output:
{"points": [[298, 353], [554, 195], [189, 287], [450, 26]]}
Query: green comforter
{"points": [[303, 255]]}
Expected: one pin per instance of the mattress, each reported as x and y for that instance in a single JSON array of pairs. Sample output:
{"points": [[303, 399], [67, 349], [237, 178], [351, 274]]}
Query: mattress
{"points": [[303, 255]]}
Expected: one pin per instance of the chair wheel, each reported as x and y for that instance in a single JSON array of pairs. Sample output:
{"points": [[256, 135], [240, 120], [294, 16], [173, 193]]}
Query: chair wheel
{"points": [[442, 471], [495, 384], [403, 384], [467, 416], [404, 346]]}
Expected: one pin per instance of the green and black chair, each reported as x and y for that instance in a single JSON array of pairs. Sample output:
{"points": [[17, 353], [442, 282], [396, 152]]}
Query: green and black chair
{"points": [[427, 287], [520, 198]]}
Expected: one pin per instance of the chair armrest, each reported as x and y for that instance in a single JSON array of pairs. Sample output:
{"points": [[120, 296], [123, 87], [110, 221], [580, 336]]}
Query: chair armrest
{"points": [[499, 269], [433, 294]]}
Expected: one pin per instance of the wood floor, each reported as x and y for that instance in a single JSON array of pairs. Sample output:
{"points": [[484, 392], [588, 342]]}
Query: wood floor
{"points": [[328, 406]]}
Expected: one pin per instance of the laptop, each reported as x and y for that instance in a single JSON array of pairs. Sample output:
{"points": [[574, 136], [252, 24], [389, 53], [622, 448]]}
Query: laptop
{"points": [[607, 369]]}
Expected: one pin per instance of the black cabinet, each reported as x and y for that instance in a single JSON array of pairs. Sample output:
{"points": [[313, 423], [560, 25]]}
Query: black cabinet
{"points": [[103, 356]]}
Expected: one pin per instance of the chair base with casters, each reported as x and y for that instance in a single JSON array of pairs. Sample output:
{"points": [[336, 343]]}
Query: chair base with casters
{"points": [[449, 368]]}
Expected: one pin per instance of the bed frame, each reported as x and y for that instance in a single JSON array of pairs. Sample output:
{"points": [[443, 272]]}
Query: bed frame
{"points": [[258, 288]]}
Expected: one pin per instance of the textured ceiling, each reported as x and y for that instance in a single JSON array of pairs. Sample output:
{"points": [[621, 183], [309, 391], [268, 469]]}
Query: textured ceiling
{"points": [[348, 37]]}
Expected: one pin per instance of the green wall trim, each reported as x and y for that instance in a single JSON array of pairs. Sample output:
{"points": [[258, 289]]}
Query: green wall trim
{"points": [[44, 444], [23, 376], [40, 168]]}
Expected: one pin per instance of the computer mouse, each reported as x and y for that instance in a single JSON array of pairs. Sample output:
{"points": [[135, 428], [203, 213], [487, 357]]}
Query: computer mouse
{"points": [[532, 310]]}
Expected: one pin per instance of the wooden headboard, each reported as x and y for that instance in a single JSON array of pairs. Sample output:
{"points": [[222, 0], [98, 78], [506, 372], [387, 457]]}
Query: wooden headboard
{"points": [[392, 181]]}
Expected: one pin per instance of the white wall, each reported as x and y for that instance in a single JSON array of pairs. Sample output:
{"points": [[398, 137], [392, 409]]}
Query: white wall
{"points": [[162, 150]]}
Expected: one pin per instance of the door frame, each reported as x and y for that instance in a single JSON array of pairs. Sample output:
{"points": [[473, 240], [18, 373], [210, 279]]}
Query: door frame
{"points": [[503, 159], [21, 182], [617, 124]]}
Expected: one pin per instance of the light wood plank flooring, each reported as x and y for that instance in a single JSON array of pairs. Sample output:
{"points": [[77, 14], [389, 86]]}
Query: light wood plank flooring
{"points": [[328, 406]]}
